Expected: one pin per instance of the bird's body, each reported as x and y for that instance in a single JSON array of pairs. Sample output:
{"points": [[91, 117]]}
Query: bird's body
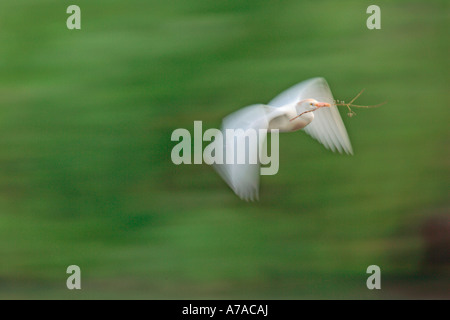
{"points": [[283, 124], [308, 105]]}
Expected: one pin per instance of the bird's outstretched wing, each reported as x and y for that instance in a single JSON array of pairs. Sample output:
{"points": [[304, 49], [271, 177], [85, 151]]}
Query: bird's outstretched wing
{"points": [[327, 126], [244, 178]]}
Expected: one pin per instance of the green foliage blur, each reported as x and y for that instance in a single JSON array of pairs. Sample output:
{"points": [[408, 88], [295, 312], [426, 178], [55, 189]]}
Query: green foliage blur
{"points": [[86, 177]]}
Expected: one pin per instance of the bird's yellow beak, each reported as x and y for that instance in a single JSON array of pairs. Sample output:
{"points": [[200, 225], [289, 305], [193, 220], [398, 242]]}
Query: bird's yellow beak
{"points": [[322, 104]]}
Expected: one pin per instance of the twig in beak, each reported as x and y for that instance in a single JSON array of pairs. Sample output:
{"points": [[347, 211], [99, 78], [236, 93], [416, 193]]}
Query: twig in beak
{"points": [[302, 114], [350, 104]]}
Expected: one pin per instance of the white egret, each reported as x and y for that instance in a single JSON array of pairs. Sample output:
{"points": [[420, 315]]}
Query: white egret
{"points": [[308, 105]]}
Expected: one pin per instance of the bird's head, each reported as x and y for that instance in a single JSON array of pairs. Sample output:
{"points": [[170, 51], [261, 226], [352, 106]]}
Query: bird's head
{"points": [[313, 104], [310, 105]]}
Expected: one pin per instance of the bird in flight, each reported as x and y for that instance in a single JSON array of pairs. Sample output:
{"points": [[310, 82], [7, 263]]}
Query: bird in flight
{"points": [[308, 105]]}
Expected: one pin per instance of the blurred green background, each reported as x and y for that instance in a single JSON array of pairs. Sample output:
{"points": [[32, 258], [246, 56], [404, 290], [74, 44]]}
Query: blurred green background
{"points": [[86, 176]]}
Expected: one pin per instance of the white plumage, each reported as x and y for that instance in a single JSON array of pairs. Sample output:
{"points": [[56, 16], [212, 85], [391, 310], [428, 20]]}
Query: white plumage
{"points": [[320, 119]]}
